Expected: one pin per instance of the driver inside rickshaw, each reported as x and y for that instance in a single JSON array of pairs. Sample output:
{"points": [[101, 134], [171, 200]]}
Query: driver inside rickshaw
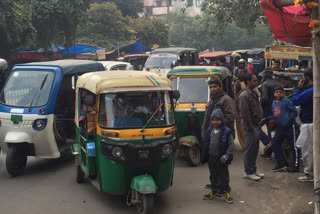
{"points": [[87, 112]]}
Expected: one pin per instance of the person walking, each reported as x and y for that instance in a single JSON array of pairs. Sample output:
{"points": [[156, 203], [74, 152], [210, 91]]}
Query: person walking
{"points": [[251, 114], [303, 97], [285, 115], [218, 151], [219, 99], [223, 62]]}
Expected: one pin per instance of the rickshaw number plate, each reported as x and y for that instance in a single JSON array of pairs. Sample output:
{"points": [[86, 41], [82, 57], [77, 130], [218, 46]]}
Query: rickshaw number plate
{"points": [[143, 154], [16, 118]]}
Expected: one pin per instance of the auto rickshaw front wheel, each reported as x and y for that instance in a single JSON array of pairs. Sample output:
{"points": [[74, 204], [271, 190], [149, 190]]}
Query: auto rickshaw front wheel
{"points": [[192, 154], [16, 159], [145, 204]]}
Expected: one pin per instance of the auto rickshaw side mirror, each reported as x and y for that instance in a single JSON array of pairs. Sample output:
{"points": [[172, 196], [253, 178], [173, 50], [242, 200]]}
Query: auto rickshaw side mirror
{"points": [[175, 94], [89, 100]]}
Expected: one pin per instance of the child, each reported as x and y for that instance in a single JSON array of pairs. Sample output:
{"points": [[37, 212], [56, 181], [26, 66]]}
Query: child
{"points": [[217, 150], [285, 114]]}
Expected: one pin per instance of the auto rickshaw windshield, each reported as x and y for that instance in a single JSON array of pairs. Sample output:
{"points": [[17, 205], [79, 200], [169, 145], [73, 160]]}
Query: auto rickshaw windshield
{"points": [[27, 88], [135, 109], [192, 89], [161, 61]]}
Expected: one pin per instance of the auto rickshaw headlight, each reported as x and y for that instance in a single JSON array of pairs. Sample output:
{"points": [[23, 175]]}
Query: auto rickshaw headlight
{"points": [[193, 110], [117, 152], [39, 124], [167, 149]]}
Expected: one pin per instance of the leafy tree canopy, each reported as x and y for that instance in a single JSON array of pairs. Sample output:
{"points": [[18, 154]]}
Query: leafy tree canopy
{"points": [[218, 14], [127, 7], [193, 32], [15, 25]]}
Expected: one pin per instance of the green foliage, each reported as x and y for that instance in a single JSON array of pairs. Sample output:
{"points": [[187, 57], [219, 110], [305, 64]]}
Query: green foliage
{"points": [[193, 32], [150, 31], [127, 7], [218, 14], [105, 25], [15, 25]]}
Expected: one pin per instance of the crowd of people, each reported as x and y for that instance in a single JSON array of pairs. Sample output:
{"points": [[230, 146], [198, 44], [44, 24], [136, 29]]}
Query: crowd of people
{"points": [[255, 108]]}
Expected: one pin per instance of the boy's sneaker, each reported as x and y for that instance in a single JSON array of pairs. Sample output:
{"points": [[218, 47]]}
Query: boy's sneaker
{"points": [[210, 196], [305, 178], [228, 198], [251, 177], [261, 175], [278, 168]]}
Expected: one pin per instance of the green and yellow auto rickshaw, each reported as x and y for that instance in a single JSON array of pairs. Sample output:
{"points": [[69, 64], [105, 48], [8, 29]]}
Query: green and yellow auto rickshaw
{"points": [[125, 134], [192, 83]]}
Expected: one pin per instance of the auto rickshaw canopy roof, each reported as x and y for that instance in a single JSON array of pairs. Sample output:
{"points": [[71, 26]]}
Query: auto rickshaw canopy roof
{"points": [[173, 50], [70, 66], [97, 82], [199, 71]]}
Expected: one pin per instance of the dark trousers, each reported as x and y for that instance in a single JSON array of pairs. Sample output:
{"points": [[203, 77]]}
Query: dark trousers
{"points": [[284, 133], [251, 151], [265, 138], [219, 176]]}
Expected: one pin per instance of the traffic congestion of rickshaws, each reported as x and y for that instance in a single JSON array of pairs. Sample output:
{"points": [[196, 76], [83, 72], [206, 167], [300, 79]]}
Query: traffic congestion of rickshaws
{"points": [[125, 126]]}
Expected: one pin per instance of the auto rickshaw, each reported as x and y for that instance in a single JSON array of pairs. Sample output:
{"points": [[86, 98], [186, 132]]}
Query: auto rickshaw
{"points": [[37, 110], [125, 134], [192, 82]]}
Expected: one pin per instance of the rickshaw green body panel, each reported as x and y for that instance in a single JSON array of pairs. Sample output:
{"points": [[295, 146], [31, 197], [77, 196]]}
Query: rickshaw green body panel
{"points": [[144, 184], [181, 121], [113, 175]]}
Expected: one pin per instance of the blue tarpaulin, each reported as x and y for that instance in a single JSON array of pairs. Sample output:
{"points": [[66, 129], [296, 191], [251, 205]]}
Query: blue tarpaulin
{"points": [[80, 48], [138, 48]]}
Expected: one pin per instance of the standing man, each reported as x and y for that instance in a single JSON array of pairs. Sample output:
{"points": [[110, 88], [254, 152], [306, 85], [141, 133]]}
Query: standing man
{"points": [[219, 99], [241, 65], [251, 114], [303, 97]]}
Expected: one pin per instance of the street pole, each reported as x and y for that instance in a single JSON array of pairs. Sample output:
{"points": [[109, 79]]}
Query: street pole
{"points": [[315, 14], [168, 20]]}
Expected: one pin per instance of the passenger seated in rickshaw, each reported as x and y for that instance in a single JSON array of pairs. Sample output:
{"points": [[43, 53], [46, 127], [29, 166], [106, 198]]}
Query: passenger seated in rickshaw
{"points": [[88, 112]]}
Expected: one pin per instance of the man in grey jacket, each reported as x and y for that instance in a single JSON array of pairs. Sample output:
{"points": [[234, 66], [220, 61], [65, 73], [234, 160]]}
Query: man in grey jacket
{"points": [[219, 99], [250, 112]]}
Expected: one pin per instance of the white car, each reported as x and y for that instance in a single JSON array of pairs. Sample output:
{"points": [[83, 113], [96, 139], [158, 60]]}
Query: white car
{"points": [[115, 65]]}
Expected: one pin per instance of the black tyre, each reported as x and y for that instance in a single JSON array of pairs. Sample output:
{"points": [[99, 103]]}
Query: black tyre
{"points": [[16, 160], [146, 204], [80, 175], [192, 155]]}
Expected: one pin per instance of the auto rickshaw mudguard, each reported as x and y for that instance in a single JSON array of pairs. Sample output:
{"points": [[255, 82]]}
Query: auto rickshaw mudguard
{"points": [[188, 141], [144, 184]]}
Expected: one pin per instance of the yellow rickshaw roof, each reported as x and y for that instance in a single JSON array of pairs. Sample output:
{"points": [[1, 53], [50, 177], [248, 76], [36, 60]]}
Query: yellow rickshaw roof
{"points": [[97, 81], [223, 72]]}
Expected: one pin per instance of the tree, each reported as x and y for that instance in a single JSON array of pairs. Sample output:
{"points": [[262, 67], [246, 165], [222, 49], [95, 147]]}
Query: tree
{"points": [[218, 14], [105, 25], [150, 31], [57, 20], [15, 25], [127, 7], [188, 31]]}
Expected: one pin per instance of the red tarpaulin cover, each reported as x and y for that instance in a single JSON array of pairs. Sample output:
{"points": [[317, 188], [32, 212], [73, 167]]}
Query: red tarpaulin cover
{"points": [[214, 54], [281, 21]]}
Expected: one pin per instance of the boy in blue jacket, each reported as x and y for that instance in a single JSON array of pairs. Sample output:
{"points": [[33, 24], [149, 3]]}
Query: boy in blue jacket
{"points": [[218, 151], [285, 114]]}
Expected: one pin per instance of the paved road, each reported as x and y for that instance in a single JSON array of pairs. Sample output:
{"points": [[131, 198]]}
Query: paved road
{"points": [[49, 187]]}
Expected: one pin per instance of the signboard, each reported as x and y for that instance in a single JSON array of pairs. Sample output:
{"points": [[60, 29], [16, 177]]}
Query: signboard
{"points": [[287, 52], [101, 54]]}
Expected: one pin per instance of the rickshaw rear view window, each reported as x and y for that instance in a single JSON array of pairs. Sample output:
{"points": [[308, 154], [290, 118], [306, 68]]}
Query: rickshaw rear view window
{"points": [[194, 89], [135, 109]]}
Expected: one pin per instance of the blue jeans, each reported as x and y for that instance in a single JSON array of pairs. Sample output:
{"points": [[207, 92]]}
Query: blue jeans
{"points": [[263, 137]]}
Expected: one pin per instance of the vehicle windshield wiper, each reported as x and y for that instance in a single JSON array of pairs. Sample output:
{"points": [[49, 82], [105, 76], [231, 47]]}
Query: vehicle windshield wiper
{"points": [[41, 87], [145, 125]]}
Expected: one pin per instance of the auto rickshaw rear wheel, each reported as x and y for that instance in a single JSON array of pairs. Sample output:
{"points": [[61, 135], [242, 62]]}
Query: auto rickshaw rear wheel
{"points": [[192, 155], [16, 159], [146, 203], [80, 175]]}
